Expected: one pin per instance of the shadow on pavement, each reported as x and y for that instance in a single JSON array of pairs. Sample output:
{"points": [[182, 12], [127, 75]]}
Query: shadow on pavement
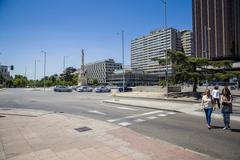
{"points": [[217, 127], [235, 130]]}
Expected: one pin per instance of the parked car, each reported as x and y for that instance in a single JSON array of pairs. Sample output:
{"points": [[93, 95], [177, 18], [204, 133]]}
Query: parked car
{"points": [[102, 89], [62, 89], [84, 89], [126, 89]]}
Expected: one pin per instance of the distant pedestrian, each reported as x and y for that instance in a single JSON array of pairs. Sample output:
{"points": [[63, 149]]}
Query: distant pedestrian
{"points": [[207, 106], [216, 96], [226, 102]]}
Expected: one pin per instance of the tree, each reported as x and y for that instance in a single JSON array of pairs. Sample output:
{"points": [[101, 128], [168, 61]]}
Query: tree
{"points": [[20, 81], [191, 69], [68, 75], [95, 82]]}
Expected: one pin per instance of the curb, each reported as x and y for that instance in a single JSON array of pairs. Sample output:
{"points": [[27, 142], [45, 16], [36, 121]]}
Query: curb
{"points": [[170, 110], [162, 99], [169, 99]]}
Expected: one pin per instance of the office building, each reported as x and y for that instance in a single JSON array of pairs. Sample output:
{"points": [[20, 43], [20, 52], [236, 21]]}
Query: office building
{"points": [[216, 29], [186, 42], [133, 78], [154, 45], [101, 70]]}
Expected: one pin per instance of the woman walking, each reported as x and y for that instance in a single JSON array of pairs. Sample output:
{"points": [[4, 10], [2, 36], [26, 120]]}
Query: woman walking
{"points": [[207, 105], [226, 101]]}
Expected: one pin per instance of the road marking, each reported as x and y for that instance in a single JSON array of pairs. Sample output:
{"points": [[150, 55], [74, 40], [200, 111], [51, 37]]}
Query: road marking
{"points": [[139, 120], [172, 113], [162, 115], [111, 120], [134, 116], [152, 117], [97, 112], [124, 124], [127, 108]]}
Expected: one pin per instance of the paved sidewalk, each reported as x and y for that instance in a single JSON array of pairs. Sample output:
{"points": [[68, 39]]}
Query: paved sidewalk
{"points": [[38, 135]]}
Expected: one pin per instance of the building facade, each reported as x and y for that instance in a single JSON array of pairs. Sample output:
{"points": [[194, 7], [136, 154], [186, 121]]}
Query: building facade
{"points": [[4, 73], [101, 70], [144, 49], [216, 28], [186, 42], [133, 78]]}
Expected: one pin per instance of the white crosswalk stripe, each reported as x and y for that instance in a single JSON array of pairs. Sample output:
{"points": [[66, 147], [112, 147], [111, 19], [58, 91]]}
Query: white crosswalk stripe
{"points": [[139, 120], [171, 113], [97, 112], [124, 124], [152, 117], [162, 115]]}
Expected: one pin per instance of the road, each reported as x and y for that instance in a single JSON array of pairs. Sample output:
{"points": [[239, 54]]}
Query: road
{"points": [[181, 129]]}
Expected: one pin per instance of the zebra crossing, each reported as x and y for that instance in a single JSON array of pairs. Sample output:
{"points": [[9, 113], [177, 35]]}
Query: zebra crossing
{"points": [[143, 117]]}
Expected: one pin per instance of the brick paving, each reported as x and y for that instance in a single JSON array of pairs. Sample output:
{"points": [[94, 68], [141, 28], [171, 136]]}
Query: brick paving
{"points": [[37, 135]]}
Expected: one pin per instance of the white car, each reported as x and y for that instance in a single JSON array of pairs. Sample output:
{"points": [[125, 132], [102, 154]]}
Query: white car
{"points": [[84, 89], [102, 89]]}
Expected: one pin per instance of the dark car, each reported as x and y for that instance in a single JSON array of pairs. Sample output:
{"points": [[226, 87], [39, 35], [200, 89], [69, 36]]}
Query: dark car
{"points": [[126, 89], [62, 89]]}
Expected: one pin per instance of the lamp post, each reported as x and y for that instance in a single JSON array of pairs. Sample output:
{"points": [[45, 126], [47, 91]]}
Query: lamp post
{"points": [[206, 29], [0, 65], [123, 60], [44, 69], [165, 29], [35, 72]]}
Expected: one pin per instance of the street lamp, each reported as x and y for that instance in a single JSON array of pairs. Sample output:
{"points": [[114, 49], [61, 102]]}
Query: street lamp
{"points": [[206, 30], [0, 65], [123, 60], [165, 28], [44, 69], [35, 72]]}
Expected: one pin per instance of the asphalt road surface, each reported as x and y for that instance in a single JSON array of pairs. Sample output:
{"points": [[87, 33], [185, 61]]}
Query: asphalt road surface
{"points": [[181, 129]]}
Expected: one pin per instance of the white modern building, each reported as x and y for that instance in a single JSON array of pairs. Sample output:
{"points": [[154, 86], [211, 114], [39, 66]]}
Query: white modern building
{"points": [[154, 45], [186, 42], [101, 70]]}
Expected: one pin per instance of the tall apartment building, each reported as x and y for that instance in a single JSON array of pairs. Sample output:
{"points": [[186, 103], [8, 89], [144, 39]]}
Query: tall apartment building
{"points": [[154, 45], [186, 42], [216, 28], [101, 70]]}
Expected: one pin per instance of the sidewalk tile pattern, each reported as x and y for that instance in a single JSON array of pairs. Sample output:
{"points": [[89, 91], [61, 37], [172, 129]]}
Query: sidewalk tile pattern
{"points": [[53, 137]]}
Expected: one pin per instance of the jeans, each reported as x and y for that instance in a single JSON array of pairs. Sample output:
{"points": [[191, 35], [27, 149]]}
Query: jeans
{"points": [[226, 119], [208, 112], [218, 102]]}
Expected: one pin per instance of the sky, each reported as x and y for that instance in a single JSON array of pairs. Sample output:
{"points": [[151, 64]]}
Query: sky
{"points": [[65, 27]]}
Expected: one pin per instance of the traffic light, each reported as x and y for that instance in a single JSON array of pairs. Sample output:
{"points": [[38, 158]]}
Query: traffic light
{"points": [[11, 67]]}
